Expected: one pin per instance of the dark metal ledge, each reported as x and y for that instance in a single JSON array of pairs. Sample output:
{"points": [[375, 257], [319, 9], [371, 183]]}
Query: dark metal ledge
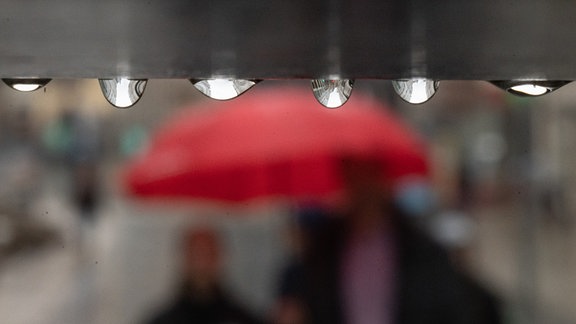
{"points": [[266, 39]]}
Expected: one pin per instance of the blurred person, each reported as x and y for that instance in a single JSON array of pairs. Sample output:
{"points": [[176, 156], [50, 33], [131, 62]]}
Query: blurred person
{"points": [[83, 158], [367, 264], [289, 308], [20, 162], [201, 297], [74, 140], [21, 171]]}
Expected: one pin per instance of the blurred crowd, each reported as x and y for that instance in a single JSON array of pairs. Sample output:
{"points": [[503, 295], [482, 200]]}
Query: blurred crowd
{"points": [[389, 253], [365, 261]]}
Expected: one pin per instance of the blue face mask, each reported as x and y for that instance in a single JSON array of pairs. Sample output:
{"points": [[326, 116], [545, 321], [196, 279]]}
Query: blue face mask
{"points": [[415, 198]]}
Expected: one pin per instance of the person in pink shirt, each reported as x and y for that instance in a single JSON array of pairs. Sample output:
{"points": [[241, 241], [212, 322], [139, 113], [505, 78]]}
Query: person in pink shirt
{"points": [[366, 264]]}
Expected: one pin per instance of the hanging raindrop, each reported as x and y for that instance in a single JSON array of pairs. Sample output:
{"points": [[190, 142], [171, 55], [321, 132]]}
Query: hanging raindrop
{"points": [[332, 93], [529, 88], [223, 89], [122, 92], [416, 90], [26, 85]]}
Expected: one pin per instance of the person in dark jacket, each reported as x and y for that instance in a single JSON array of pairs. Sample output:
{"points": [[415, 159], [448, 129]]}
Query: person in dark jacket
{"points": [[191, 307], [368, 265], [202, 298], [423, 285]]}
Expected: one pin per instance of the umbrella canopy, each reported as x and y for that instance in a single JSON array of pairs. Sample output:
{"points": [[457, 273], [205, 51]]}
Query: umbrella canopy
{"points": [[270, 143]]}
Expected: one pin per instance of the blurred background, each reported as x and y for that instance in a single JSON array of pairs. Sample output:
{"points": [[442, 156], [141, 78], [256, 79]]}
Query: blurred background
{"points": [[503, 190]]}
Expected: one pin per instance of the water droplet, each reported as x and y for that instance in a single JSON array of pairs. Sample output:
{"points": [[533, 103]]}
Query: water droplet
{"points": [[223, 89], [122, 92], [26, 85], [416, 90], [529, 88], [332, 93]]}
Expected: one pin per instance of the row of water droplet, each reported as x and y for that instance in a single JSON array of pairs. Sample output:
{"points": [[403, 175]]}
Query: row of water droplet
{"points": [[332, 93]]}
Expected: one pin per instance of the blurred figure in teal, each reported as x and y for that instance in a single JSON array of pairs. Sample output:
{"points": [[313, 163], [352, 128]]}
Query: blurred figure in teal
{"points": [[75, 140], [132, 140], [201, 297]]}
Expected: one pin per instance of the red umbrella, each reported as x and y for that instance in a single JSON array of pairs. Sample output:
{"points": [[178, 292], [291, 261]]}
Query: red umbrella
{"points": [[270, 143]]}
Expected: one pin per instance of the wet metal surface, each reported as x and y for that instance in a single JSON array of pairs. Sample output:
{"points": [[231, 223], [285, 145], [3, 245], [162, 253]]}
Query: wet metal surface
{"points": [[262, 39]]}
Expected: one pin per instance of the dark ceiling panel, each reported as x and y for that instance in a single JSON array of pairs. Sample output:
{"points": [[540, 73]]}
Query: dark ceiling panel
{"points": [[451, 39]]}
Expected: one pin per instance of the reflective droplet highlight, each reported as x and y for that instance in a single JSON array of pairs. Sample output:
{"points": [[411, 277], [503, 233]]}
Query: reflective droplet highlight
{"points": [[122, 92], [529, 88], [223, 89], [26, 85], [416, 90], [332, 93]]}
